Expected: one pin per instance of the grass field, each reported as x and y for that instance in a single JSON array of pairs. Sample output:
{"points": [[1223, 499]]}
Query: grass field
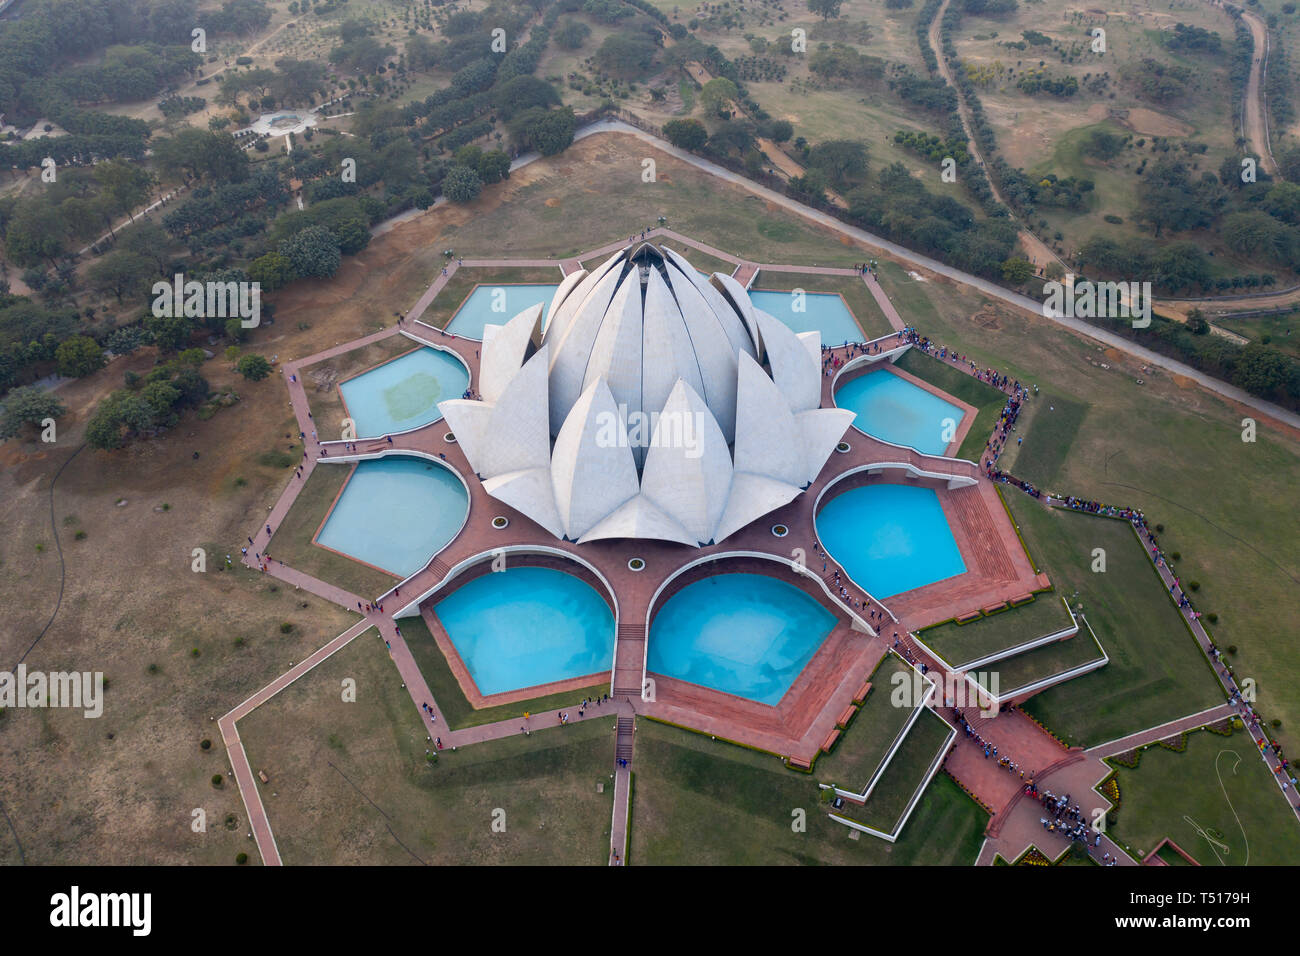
{"points": [[1216, 790], [875, 727], [1156, 672], [1279, 330], [350, 783], [988, 401], [960, 643], [456, 709], [1048, 425], [705, 802]]}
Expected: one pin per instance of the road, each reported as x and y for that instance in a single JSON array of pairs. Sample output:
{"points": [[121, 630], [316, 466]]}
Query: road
{"points": [[990, 289]]}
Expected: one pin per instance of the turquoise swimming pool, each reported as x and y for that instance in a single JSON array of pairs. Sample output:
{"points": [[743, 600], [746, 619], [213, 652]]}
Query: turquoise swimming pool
{"points": [[527, 626], [396, 513], [891, 408], [821, 311], [889, 538], [497, 305], [403, 393], [743, 634]]}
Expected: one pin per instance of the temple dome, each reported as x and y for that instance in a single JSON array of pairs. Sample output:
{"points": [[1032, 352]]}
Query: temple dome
{"points": [[644, 408]]}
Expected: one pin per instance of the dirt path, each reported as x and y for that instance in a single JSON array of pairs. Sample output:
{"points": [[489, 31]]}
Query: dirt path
{"points": [[1254, 114], [1037, 251]]}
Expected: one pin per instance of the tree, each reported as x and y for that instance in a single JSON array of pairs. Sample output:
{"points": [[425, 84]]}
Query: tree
{"points": [[841, 160], [778, 131], [522, 92], [1196, 322], [253, 367], [169, 332], [572, 34], [313, 252], [202, 153], [462, 184], [27, 405], [686, 134], [79, 356], [1260, 370], [271, 271], [122, 272], [717, 94], [547, 131], [1017, 271], [826, 9], [628, 55]]}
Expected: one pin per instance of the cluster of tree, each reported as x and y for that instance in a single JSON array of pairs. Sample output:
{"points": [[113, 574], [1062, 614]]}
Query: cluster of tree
{"points": [[209, 207], [79, 206], [201, 154], [839, 62], [148, 407], [931, 94], [1172, 199], [760, 69], [1192, 38], [629, 54], [1043, 81], [1103, 144], [174, 107], [292, 82], [1157, 82], [1069, 193], [989, 8], [934, 148], [902, 209], [1176, 267], [362, 53]]}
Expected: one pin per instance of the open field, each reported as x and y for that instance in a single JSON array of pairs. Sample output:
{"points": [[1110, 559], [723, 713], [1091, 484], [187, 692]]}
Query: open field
{"points": [[1278, 330], [1216, 790], [1156, 672], [1047, 425], [350, 782], [699, 801]]}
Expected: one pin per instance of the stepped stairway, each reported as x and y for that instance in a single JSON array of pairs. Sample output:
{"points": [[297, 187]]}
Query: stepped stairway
{"points": [[623, 746], [629, 659]]}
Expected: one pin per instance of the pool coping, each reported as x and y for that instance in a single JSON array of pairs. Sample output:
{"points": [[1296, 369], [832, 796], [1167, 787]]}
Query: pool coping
{"points": [[969, 412], [469, 377], [843, 301], [497, 285], [348, 480]]}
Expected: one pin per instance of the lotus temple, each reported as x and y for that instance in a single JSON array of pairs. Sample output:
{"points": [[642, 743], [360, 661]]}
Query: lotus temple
{"points": [[723, 506]]}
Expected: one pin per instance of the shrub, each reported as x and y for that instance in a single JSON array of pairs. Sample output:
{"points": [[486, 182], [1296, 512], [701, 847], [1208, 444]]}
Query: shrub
{"points": [[1232, 648], [1275, 723], [1176, 555], [1212, 618], [205, 744], [1194, 585], [80, 536], [217, 779], [241, 858], [286, 627]]}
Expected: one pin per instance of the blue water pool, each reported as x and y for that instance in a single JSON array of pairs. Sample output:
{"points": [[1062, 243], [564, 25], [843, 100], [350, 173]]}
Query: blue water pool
{"points": [[893, 409], [822, 312], [742, 634], [890, 538], [396, 513], [403, 393], [527, 626], [497, 305]]}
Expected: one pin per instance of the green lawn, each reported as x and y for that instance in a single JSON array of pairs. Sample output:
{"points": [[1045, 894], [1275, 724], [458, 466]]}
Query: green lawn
{"points": [[456, 710], [988, 401], [1217, 788], [878, 722], [350, 782], [896, 787], [701, 801], [960, 643], [1041, 663], [1048, 424], [1156, 672], [1279, 330], [292, 541]]}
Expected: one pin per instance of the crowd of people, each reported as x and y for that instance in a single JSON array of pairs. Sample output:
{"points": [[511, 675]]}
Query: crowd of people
{"points": [[1068, 820], [990, 749]]}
